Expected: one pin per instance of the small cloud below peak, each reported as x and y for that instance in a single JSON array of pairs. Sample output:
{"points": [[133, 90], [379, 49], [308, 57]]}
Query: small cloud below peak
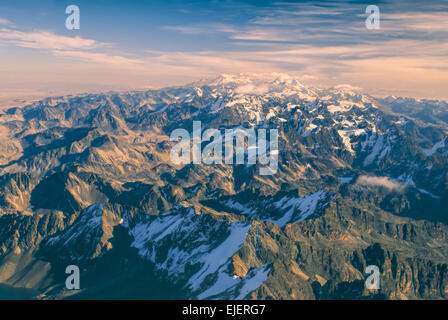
{"points": [[384, 182]]}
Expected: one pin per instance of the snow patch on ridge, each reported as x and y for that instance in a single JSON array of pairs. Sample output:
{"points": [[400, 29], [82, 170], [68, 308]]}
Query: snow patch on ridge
{"points": [[290, 209], [237, 288], [180, 237], [306, 206], [89, 222], [218, 256]]}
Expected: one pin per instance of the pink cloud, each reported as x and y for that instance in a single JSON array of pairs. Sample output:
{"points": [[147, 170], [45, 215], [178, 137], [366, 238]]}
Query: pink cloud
{"points": [[381, 182], [45, 40]]}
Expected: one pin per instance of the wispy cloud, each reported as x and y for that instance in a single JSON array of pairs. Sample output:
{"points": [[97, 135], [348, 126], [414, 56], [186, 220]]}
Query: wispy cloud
{"points": [[45, 40], [416, 21], [58, 45], [99, 57], [5, 22], [263, 34], [201, 29], [335, 22]]}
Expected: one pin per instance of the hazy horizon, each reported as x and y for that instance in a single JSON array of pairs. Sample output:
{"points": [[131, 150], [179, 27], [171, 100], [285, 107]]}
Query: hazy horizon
{"points": [[19, 99]]}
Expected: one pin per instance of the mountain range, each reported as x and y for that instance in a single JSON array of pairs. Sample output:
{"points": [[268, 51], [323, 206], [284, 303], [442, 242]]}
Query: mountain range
{"points": [[87, 180]]}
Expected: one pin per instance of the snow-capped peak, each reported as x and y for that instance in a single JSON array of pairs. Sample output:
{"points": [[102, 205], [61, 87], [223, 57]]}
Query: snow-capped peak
{"points": [[254, 83]]}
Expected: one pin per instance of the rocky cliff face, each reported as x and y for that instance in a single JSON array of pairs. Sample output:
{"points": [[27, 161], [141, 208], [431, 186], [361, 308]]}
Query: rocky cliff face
{"points": [[88, 180]]}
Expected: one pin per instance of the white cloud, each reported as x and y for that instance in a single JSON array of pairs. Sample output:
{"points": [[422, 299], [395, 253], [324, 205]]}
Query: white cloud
{"points": [[188, 30], [347, 86], [203, 29], [381, 182]]}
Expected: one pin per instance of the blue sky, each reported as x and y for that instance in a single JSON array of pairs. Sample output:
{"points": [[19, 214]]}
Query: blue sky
{"points": [[140, 44]]}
